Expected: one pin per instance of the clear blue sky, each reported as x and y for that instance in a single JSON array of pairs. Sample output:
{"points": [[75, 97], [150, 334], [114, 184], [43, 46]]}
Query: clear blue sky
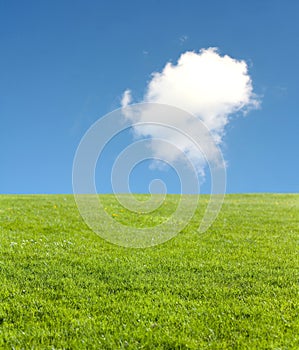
{"points": [[65, 63]]}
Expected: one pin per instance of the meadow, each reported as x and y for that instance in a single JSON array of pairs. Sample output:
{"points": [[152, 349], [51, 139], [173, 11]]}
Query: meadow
{"points": [[236, 286]]}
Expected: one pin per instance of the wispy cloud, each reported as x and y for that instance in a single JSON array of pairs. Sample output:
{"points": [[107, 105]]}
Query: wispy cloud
{"points": [[126, 98], [183, 38]]}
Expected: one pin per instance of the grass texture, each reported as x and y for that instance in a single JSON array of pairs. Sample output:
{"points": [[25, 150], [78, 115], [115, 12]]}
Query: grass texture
{"points": [[235, 286]]}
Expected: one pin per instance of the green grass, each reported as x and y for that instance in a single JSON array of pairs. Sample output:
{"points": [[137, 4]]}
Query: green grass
{"points": [[234, 287]]}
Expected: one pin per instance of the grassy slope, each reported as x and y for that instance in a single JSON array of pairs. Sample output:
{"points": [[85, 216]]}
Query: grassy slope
{"points": [[234, 287]]}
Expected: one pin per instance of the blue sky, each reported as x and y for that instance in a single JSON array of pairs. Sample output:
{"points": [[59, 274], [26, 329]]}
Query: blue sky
{"points": [[64, 64]]}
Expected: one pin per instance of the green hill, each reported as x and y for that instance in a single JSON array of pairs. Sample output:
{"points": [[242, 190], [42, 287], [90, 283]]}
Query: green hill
{"points": [[233, 287]]}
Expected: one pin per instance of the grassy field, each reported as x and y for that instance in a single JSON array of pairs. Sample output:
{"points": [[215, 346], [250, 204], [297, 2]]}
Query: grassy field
{"points": [[234, 287]]}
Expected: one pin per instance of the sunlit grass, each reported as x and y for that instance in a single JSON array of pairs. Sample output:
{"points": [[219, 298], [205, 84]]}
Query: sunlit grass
{"points": [[233, 287]]}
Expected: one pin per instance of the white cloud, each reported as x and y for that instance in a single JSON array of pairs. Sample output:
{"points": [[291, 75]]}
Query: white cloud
{"points": [[126, 98], [205, 84]]}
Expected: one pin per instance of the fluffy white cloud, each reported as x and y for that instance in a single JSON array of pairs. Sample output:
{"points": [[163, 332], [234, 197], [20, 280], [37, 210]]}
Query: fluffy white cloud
{"points": [[206, 84]]}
